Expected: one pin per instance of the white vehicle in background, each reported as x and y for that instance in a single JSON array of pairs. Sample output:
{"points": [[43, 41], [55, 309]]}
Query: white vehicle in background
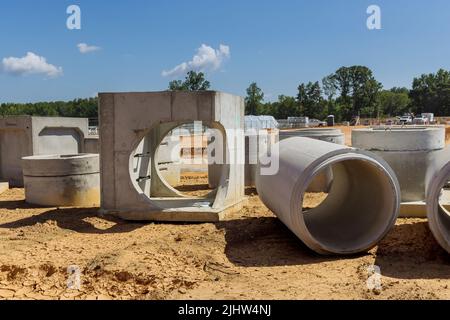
{"points": [[429, 116], [421, 120], [316, 123], [406, 119]]}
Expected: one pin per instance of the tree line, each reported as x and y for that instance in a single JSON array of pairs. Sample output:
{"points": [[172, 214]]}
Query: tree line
{"points": [[348, 92], [78, 108], [354, 91]]}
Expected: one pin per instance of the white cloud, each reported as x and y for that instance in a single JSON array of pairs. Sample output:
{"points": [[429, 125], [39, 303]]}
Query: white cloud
{"points": [[206, 59], [85, 48], [30, 64]]}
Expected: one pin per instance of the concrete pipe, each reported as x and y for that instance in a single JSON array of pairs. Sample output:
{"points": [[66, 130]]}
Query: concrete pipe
{"points": [[323, 134], [408, 150], [438, 210], [62, 180], [322, 182], [362, 204]]}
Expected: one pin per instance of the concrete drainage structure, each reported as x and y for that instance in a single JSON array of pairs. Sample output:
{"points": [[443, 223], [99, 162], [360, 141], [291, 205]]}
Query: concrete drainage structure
{"points": [[362, 204], [437, 188], [409, 151], [22, 136], [322, 182], [128, 118], [323, 134], [62, 180]]}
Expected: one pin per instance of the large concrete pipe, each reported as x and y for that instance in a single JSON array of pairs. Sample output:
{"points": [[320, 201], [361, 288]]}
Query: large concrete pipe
{"points": [[322, 181], [323, 134], [362, 204], [408, 150], [62, 180], [437, 182]]}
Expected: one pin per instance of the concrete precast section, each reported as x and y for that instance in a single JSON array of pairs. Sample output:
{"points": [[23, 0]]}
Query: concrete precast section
{"points": [[322, 182], [408, 150], [360, 208], [323, 134], [23, 136], [140, 193], [62, 180], [437, 178]]}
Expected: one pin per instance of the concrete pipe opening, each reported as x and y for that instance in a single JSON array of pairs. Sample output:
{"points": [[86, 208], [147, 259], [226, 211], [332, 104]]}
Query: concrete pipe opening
{"points": [[438, 209], [359, 209]]}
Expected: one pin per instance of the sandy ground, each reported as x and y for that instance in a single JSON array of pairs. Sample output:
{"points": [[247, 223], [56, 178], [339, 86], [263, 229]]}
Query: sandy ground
{"points": [[250, 256]]}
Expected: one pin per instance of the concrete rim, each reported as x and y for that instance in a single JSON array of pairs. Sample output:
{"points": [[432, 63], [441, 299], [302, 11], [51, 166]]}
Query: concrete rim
{"points": [[60, 165], [435, 209], [61, 157], [315, 168]]}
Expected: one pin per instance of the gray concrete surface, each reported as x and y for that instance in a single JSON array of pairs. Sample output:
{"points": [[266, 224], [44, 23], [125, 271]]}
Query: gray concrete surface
{"points": [[92, 144], [437, 198], [22, 136], [408, 150], [62, 180], [323, 134], [322, 182], [255, 145], [168, 156], [360, 208], [127, 118]]}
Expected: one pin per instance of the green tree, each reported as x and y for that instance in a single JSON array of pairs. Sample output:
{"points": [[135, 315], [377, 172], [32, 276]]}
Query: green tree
{"points": [[310, 101], [85, 108], [329, 90], [431, 93], [358, 91], [394, 102], [193, 82], [254, 99], [283, 108]]}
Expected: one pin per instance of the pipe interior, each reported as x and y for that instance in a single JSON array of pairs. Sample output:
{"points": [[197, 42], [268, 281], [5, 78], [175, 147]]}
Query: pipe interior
{"points": [[357, 210], [443, 216]]}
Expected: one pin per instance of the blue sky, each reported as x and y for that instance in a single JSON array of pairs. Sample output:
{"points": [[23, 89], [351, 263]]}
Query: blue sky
{"points": [[278, 44]]}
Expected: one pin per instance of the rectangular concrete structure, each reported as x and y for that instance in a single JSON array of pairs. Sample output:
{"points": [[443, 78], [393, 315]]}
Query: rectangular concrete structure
{"points": [[22, 136], [127, 118]]}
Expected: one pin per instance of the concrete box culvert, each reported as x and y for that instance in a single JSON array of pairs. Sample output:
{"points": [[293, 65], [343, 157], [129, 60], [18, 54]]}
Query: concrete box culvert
{"points": [[322, 181], [438, 213], [408, 150], [62, 180], [362, 204], [23, 136]]}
